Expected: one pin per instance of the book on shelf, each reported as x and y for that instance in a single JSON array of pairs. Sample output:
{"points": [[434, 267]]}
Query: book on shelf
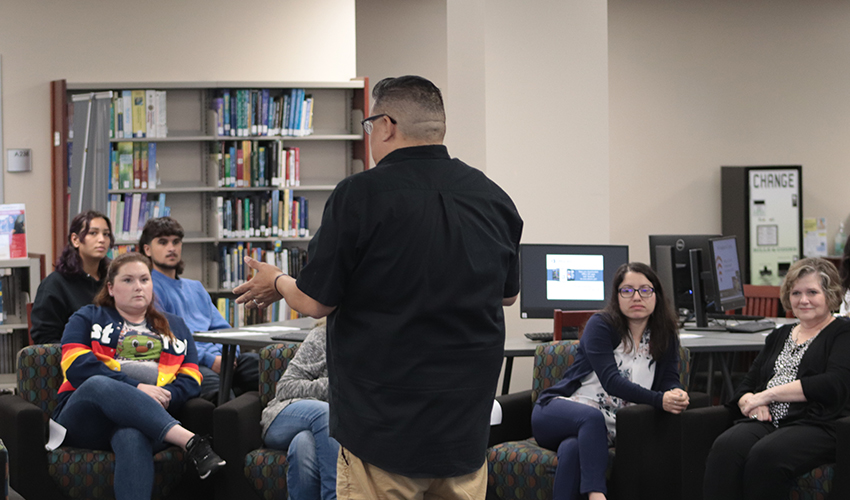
{"points": [[150, 114], [139, 129], [125, 165], [137, 166], [263, 112], [127, 99], [153, 171], [13, 231]]}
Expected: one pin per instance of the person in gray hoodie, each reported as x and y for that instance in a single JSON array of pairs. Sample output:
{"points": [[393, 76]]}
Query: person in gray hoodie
{"points": [[296, 420]]}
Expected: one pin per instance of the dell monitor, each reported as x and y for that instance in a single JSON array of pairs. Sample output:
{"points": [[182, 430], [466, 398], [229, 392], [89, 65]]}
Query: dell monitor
{"points": [[727, 284], [567, 277], [681, 244]]}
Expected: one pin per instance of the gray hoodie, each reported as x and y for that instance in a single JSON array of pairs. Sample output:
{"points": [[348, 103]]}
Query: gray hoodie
{"points": [[306, 377]]}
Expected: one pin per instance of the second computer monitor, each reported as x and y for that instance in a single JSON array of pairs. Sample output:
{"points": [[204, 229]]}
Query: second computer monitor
{"points": [[727, 283]]}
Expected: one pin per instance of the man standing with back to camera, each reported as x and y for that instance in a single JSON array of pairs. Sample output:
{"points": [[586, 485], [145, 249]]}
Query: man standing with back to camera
{"points": [[413, 262]]}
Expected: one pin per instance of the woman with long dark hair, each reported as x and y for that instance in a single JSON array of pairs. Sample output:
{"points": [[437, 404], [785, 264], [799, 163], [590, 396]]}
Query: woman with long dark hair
{"points": [[128, 368], [629, 353], [78, 277]]}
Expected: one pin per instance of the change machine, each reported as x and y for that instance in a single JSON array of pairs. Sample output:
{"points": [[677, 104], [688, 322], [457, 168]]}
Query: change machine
{"points": [[763, 207]]}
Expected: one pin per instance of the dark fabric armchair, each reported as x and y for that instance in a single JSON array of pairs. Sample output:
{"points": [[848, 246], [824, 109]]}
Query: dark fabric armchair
{"points": [[648, 441], [74, 472], [252, 472], [700, 427]]}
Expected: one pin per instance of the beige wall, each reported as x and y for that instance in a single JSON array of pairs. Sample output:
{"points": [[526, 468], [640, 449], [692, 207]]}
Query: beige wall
{"points": [[526, 100], [695, 85], [155, 40]]}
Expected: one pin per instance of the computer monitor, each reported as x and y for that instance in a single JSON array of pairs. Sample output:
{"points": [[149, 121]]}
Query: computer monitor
{"points": [[567, 277], [681, 244], [665, 269], [727, 282]]}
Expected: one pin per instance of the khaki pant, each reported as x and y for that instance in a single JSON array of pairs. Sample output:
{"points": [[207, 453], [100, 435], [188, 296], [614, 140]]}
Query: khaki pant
{"points": [[357, 480]]}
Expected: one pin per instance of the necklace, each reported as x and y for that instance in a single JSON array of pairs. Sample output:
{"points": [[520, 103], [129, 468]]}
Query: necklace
{"points": [[798, 331]]}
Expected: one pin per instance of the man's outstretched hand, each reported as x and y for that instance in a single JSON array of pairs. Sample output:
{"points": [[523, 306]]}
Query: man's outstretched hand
{"points": [[259, 292]]}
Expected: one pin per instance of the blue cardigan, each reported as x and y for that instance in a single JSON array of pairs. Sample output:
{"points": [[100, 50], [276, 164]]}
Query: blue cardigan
{"points": [[596, 353]]}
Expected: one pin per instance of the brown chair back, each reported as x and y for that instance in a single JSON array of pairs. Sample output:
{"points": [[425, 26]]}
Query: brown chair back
{"points": [[566, 319], [763, 301]]}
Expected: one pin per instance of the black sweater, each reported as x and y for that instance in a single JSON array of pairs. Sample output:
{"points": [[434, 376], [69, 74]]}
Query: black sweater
{"points": [[58, 297], [824, 372]]}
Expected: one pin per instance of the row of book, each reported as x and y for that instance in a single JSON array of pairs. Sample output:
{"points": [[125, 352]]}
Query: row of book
{"points": [[133, 166], [257, 164], [10, 284], [238, 316], [251, 112], [117, 250], [138, 114], [277, 213], [10, 344], [129, 212], [232, 268], [234, 272]]}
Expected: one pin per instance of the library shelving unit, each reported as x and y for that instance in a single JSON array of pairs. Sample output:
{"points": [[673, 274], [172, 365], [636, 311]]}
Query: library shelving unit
{"points": [[20, 279], [189, 174]]}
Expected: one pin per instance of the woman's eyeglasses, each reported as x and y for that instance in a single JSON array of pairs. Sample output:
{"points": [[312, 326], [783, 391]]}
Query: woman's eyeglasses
{"points": [[628, 292]]}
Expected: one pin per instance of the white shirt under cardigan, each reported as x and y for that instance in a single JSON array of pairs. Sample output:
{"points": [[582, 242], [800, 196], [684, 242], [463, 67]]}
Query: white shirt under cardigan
{"points": [[635, 366]]}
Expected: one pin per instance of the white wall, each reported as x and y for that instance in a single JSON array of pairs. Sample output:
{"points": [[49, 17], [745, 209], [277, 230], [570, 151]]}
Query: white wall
{"points": [[696, 85], [155, 40]]}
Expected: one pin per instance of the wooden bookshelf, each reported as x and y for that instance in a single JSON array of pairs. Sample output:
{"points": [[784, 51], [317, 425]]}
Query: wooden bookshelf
{"points": [[336, 149]]}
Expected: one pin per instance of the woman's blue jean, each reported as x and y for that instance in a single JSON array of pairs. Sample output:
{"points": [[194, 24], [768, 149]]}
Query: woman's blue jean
{"points": [[302, 429], [579, 435], [103, 414]]}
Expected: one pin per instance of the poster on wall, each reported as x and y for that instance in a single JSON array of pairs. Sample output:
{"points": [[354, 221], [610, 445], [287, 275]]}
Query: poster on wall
{"points": [[774, 223]]}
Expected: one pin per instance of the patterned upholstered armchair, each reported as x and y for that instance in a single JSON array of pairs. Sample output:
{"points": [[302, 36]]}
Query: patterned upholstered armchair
{"points": [[700, 427], [643, 465], [73, 472], [252, 471]]}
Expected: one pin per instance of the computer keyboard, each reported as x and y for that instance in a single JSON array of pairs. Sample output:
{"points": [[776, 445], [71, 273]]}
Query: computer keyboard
{"points": [[540, 336], [751, 327], [736, 317]]}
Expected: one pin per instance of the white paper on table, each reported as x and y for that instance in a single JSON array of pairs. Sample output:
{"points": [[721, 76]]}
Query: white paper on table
{"points": [[229, 334], [56, 434], [272, 329], [496, 414], [689, 336]]}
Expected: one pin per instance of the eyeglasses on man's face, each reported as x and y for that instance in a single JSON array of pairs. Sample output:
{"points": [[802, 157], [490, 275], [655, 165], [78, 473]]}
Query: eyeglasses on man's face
{"points": [[367, 122], [628, 292]]}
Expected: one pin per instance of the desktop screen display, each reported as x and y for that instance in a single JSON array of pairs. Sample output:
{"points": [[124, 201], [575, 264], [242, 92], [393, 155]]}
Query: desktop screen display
{"points": [[728, 286], [566, 277], [681, 245]]}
